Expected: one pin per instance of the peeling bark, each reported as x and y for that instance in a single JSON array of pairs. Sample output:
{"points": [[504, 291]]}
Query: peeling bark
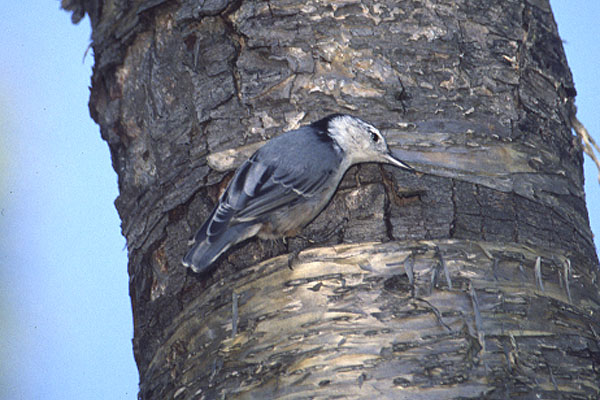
{"points": [[475, 278], [355, 318]]}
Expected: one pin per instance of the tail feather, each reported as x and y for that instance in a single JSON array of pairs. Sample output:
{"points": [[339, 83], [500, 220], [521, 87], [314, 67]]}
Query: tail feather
{"points": [[205, 252]]}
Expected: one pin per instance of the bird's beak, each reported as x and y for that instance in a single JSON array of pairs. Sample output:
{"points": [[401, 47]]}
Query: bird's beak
{"points": [[390, 159]]}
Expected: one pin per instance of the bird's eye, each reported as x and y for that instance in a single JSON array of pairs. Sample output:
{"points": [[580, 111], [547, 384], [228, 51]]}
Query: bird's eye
{"points": [[374, 137]]}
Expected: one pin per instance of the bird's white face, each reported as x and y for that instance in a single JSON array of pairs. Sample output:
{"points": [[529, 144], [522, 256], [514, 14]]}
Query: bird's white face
{"points": [[361, 141]]}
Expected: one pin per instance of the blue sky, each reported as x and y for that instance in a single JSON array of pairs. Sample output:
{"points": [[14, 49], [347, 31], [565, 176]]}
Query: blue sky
{"points": [[65, 314]]}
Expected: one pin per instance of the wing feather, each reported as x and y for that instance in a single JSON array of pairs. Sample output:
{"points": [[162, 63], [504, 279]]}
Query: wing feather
{"points": [[272, 178]]}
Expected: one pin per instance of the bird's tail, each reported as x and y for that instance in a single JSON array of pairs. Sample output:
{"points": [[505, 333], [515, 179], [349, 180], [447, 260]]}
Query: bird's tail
{"points": [[206, 249]]}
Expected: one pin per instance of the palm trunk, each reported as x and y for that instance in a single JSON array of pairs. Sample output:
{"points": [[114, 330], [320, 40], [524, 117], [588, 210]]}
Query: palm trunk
{"points": [[475, 278]]}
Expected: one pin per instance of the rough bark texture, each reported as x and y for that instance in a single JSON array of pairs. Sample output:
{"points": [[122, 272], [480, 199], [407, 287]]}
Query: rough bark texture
{"points": [[475, 278]]}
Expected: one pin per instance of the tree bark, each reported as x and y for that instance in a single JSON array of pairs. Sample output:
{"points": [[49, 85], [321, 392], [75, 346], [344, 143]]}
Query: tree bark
{"points": [[475, 278]]}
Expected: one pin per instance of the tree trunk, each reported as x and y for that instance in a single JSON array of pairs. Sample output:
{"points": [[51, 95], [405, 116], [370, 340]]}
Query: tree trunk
{"points": [[475, 278]]}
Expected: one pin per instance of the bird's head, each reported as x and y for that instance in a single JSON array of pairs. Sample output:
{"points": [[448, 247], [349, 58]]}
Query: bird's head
{"points": [[361, 141]]}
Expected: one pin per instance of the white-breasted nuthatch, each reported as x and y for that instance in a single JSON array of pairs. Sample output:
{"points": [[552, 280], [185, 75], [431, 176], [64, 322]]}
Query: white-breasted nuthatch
{"points": [[286, 183]]}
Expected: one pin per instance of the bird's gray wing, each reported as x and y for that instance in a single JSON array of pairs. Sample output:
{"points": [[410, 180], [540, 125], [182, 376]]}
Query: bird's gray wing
{"points": [[253, 192], [292, 167], [269, 185]]}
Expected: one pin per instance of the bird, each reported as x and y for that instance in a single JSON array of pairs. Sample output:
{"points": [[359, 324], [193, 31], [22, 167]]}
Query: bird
{"points": [[286, 183]]}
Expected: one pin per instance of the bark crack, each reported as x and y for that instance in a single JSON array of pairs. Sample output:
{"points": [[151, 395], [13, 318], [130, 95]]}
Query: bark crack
{"points": [[453, 221]]}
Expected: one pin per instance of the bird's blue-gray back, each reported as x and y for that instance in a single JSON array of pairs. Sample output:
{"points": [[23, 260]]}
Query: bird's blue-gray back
{"points": [[270, 179]]}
